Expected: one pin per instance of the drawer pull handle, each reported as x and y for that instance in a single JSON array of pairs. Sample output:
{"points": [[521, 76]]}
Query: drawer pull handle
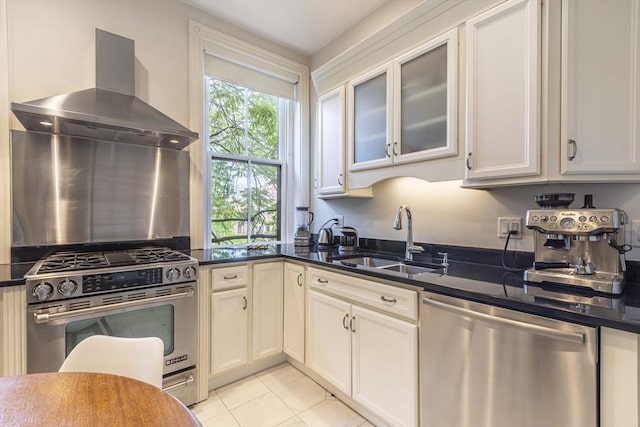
{"points": [[391, 300], [244, 303], [299, 279], [351, 324], [344, 321], [230, 277], [322, 281]]}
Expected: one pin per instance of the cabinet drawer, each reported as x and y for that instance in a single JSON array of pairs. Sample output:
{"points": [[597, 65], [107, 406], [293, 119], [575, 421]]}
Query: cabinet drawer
{"points": [[385, 298], [229, 277]]}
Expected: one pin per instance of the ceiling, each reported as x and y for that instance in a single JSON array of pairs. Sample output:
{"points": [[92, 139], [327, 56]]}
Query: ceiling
{"points": [[303, 25]]}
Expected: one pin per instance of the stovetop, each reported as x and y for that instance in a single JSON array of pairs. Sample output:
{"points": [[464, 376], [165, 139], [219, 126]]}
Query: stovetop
{"points": [[74, 261], [65, 275]]}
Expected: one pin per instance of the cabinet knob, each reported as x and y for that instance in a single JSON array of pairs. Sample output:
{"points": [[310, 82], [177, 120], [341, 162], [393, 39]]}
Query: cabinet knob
{"points": [[573, 149]]}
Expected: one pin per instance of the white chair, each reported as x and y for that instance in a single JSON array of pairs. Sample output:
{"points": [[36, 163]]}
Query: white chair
{"points": [[139, 358]]}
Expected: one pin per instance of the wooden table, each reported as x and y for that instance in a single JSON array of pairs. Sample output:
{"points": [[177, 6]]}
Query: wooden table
{"points": [[87, 399]]}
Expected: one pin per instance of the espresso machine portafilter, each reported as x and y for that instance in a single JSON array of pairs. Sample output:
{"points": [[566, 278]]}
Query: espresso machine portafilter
{"points": [[581, 247]]}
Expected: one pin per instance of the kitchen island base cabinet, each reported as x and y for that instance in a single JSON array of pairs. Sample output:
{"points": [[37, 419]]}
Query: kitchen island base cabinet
{"points": [[367, 355]]}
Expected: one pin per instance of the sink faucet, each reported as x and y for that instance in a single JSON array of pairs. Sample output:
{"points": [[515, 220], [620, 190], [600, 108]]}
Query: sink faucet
{"points": [[397, 224]]}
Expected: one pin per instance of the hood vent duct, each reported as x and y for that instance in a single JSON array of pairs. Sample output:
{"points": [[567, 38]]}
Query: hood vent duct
{"points": [[109, 112]]}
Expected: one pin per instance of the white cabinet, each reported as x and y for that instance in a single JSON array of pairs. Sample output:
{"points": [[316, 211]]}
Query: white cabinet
{"points": [[229, 312], [331, 146], [268, 308], [385, 365], [332, 181], [294, 291], [502, 92], [371, 119], [368, 355], [329, 339], [619, 378], [247, 306], [601, 102], [405, 110]]}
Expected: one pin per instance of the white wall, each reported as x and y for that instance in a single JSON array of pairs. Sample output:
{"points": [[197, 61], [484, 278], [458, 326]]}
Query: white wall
{"points": [[50, 50]]}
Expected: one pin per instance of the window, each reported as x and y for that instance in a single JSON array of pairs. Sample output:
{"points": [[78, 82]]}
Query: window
{"points": [[245, 147], [250, 168]]}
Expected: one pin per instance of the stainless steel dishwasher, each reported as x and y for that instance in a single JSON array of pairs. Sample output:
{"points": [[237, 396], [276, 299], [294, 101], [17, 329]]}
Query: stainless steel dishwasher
{"points": [[484, 366]]}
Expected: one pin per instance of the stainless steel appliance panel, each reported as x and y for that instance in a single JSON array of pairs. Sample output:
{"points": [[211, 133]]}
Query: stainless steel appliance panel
{"points": [[74, 190], [484, 366]]}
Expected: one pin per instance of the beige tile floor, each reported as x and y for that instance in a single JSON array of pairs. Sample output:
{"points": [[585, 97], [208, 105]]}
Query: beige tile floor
{"points": [[279, 396]]}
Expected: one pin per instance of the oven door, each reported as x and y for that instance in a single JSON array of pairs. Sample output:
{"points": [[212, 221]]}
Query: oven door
{"points": [[167, 312]]}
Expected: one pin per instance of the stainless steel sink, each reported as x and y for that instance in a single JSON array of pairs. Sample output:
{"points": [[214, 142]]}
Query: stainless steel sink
{"points": [[411, 270], [387, 264], [368, 261]]}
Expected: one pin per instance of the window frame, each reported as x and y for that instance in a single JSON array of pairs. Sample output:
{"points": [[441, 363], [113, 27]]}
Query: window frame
{"points": [[295, 158]]}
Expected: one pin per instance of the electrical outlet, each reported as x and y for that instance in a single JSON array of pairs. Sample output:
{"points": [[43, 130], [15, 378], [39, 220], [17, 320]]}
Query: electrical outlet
{"points": [[506, 224], [340, 221]]}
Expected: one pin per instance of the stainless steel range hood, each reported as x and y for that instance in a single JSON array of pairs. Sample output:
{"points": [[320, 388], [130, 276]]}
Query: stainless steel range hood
{"points": [[111, 111]]}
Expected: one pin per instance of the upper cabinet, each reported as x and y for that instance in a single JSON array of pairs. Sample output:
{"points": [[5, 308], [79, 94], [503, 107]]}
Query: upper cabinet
{"points": [[601, 47], [405, 110], [502, 92], [332, 176], [331, 147]]}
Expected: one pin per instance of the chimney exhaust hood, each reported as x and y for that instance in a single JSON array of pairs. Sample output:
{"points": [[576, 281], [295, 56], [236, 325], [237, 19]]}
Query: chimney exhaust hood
{"points": [[109, 112]]}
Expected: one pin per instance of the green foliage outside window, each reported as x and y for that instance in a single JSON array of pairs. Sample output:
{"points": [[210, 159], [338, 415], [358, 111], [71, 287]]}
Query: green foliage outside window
{"points": [[245, 172]]}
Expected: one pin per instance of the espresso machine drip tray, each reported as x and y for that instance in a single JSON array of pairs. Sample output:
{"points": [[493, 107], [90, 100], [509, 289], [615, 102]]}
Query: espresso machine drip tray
{"points": [[609, 283]]}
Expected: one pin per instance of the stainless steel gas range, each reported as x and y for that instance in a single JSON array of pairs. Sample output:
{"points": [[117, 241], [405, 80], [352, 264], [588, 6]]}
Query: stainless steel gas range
{"points": [[149, 291]]}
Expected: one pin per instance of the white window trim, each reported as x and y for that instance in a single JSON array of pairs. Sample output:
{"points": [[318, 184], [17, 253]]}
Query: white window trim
{"points": [[296, 182], [5, 150]]}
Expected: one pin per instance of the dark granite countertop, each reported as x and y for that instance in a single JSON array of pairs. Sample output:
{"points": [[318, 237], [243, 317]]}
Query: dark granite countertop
{"points": [[463, 278], [472, 281]]}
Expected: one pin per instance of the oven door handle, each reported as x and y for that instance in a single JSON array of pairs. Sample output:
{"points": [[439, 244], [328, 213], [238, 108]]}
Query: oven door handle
{"points": [[48, 317]]}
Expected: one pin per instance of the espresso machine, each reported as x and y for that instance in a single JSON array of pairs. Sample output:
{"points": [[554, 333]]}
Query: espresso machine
{"points": [[582, 247]]}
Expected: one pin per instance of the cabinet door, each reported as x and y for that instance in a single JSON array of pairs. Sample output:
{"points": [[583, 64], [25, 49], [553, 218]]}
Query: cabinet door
{"points": [[294, 311], [425, 101], [229, 320], [601, 99], [331, 147], [371, 119], [503, 85], [385, 366], [329, 339], [619, 379], [268, 307]]}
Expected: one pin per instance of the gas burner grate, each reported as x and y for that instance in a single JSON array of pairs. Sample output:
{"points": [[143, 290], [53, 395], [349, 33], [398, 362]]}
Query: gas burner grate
{"points": [[67, 261]]}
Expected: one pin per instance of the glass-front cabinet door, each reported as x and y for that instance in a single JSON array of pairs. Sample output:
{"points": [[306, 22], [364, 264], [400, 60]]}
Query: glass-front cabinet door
{"points": [[425, 82], [405, 111], [370, 119]]}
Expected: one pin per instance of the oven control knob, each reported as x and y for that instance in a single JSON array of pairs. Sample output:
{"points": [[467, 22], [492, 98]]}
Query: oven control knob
{"points": [[67, 287], [189, 272], [42, 291], [173, 274]]}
